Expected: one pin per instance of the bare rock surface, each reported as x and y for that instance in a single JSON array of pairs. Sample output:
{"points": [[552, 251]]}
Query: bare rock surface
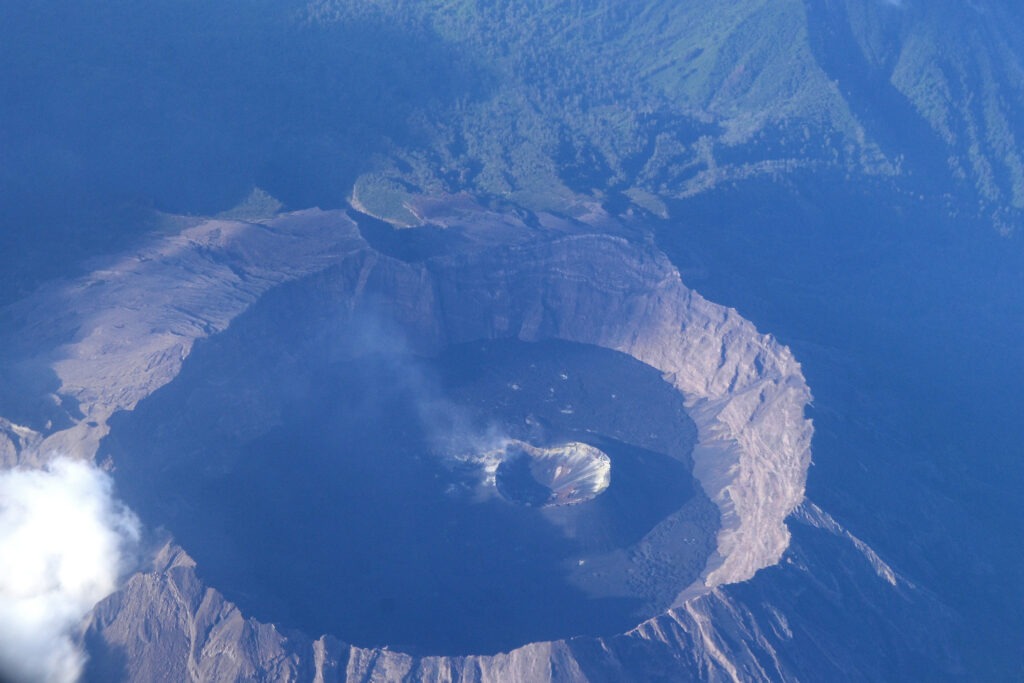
{"points": [[101, 343]]}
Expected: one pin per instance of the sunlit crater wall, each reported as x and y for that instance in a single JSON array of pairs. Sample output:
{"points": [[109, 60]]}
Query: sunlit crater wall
{"points": [[744, 390]]}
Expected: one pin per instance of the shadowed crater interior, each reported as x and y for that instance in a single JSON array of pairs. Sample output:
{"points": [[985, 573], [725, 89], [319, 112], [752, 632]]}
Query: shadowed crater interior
{"points": [[495, 494]]}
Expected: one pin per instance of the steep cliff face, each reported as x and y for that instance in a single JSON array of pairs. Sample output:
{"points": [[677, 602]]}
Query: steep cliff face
{"points": [[744, 390], [127, 328], [81, 350], [790, 623]]}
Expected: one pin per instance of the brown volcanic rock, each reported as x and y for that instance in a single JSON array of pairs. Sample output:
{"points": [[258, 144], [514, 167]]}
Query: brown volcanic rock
{"points": [[130, 325], [744, 391]]}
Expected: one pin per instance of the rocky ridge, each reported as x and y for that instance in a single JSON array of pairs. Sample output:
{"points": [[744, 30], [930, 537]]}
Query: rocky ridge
{"points": [[89, 347]]}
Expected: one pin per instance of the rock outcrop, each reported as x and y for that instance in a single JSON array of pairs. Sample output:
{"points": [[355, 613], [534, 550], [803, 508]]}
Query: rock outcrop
{"points": [[101, 343]]}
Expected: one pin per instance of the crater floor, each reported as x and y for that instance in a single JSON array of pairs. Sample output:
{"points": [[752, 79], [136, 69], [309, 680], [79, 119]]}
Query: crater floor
{"points": [[315, 483]]}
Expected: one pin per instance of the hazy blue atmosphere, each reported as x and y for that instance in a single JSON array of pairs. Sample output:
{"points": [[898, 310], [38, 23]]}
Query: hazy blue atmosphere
{"points": [[289, 283]]}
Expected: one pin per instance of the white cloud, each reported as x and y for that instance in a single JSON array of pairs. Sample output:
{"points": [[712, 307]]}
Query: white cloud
{"points": [[64, 544]]}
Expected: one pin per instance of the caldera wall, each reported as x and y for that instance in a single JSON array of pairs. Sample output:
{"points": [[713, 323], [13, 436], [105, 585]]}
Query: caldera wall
{"points": [[744, 390], [108, 347]]}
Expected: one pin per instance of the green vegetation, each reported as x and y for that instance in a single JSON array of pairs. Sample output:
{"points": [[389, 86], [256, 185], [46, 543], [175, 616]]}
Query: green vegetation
{"points": [[623, 102], [537, 103], [612, 99], [257, 204], [971, 92]]}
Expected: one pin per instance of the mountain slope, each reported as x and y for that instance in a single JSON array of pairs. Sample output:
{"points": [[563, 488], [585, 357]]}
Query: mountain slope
{"points": [[632, 103]]}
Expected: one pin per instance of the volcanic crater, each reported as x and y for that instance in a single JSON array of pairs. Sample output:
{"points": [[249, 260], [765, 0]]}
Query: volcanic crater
{"points": [[320, 487], [334, 467], [466, 450]]}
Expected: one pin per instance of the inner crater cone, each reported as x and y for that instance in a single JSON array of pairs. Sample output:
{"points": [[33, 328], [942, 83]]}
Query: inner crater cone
{"points": [[565, 474]]}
